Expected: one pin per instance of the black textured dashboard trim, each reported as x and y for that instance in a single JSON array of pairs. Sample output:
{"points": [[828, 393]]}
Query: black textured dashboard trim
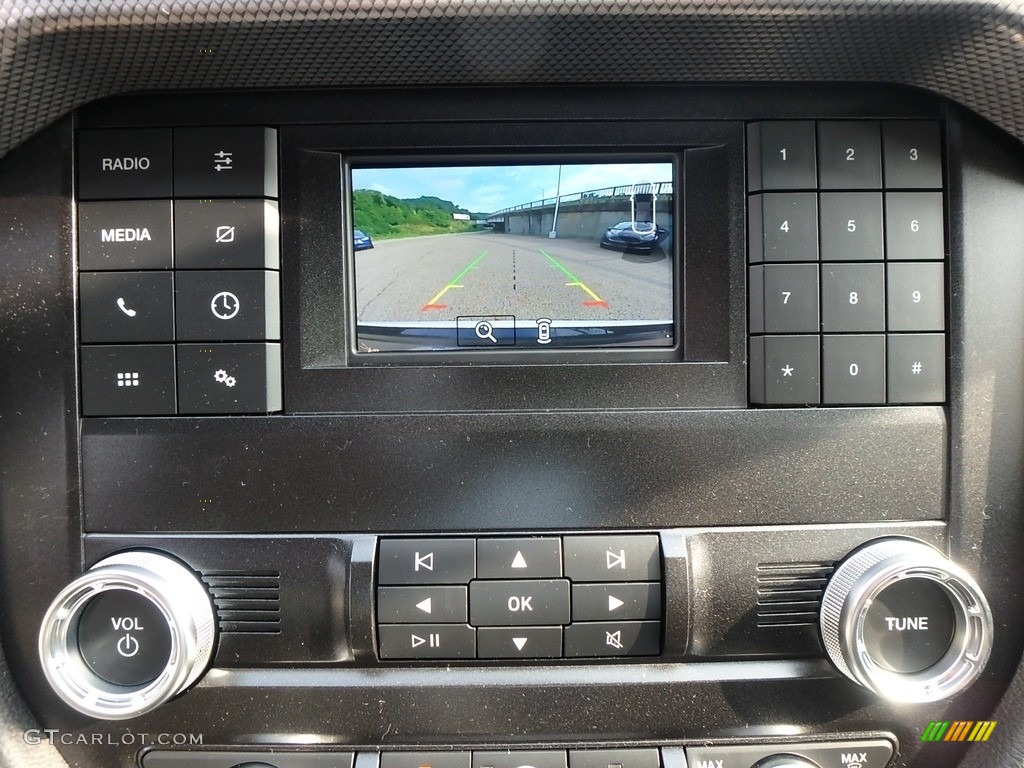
{"points": [[59, 54]]}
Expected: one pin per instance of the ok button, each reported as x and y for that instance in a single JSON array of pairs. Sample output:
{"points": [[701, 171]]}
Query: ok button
{"points": [[124, 638], [519, 603]]}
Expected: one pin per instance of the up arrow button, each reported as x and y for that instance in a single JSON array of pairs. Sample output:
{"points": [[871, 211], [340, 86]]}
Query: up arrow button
{"points": [[539, 558]]}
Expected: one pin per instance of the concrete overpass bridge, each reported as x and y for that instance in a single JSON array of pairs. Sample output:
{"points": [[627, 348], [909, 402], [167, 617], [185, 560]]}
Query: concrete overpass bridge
{"points": [[586, 215]]}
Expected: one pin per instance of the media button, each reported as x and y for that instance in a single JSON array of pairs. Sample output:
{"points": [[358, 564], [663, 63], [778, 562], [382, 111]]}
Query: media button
{"points": [[133, 234], [426, 561], [124, 164]]}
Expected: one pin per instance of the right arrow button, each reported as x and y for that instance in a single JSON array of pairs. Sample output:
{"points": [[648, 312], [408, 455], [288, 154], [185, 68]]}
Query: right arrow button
{"points": [[626, 601]]}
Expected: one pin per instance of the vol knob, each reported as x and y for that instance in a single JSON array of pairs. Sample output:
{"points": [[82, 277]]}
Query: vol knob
{"points": [[905, 622], [127, 635]]}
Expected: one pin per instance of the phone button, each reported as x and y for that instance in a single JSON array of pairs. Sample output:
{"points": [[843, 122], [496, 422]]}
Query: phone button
{"points": [[126, 307]]}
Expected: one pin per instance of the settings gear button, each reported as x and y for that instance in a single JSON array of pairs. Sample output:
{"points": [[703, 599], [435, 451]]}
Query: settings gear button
{"points": [[229, 378]]}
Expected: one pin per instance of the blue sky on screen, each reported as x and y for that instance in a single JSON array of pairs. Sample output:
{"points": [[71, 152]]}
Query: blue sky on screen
{"points": [[484, 189]]}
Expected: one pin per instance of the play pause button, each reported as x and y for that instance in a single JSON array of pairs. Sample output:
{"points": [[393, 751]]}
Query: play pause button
{"points": [[427, 641], [519, 642]]}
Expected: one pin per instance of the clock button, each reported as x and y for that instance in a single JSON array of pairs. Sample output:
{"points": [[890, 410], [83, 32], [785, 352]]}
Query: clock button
{"points": [[227, 305]]}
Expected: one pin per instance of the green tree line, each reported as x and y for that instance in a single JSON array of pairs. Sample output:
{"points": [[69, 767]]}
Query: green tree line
{"points": [[383, 216]]}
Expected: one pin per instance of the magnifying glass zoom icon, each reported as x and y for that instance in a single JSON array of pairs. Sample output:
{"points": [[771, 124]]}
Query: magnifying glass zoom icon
{"points": [[484, 330]]}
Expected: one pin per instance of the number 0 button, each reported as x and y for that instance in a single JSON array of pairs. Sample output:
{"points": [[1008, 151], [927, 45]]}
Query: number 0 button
{"points": [[916, 296]]}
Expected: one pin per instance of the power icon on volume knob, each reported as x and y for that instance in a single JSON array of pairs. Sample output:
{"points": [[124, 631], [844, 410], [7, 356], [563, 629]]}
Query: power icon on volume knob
{"points": [[123, 638]]}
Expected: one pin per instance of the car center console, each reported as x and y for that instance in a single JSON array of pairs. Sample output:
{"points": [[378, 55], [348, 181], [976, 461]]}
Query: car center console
{"points": [[487, 429]]}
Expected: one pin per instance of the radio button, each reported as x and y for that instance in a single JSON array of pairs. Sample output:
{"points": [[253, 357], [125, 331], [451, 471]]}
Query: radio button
{"points": [[518, 558], [916, 294], [853, 297], [853, 370], [427, 641], [913, 154], [426, 561], [225, 162], [125, 235], [916, 368], [519, 642], [516, 603], [124, 164], [914, 226], [850, 154], [851, 226], [784, 370], [782, 155], [624, 638], [624, 557], [784, 227], [232, 305], [229, 378], [414, 605], [226, 234], [791, 298], [611, 602], [128, 380], [126, 306]]}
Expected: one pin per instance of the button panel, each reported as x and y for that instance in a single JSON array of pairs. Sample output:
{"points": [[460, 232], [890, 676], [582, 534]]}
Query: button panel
{"points": [[848, 274], [608, 603], [203, 270], [835, 753]]}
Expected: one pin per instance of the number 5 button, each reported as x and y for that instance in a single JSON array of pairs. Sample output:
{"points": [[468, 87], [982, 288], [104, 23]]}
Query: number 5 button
{"points": [[916, 296]]}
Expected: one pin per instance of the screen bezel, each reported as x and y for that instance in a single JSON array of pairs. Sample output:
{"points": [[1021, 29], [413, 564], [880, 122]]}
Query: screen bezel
{"points": [[322, 375], [515, 355]]}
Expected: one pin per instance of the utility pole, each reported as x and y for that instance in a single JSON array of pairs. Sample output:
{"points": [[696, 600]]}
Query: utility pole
{"points": [[558, 196]]}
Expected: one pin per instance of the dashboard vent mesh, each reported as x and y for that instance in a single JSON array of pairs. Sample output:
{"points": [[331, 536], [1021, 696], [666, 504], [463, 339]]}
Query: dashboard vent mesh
{"points": [[246, 602], [789, 594]]}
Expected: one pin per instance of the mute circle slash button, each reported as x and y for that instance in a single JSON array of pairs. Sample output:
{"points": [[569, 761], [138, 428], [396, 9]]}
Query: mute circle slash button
{"points": [[124, 638]]}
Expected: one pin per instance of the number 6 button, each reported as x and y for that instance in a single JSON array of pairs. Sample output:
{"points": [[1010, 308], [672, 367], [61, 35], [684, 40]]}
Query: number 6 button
{"points": [[916, 295]]}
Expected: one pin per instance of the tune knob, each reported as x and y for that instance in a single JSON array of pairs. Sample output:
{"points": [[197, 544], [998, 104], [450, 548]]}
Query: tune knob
{"points": [[905, 622], [132, 632], [785, 761]]}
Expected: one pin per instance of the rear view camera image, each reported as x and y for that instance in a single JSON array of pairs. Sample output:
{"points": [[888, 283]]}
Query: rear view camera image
{"points": [[513, 256]]}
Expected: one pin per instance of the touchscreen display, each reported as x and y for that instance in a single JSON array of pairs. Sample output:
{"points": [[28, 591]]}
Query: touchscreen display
{"points": [[516, 257]]}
